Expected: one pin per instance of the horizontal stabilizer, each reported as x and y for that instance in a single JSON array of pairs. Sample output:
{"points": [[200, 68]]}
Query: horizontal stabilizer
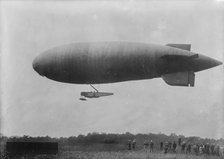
{"points": [[180, 78], [179, 57], [181, 46]]}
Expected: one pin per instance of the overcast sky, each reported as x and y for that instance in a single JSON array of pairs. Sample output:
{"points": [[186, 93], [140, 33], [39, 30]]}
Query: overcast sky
{"points": [[36, 106]]}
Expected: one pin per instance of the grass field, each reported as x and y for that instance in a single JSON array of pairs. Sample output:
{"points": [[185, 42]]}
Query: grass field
{"points": [[128, 155], [114, 151]]}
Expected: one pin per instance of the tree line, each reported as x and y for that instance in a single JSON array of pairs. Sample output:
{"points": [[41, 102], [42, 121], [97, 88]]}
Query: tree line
{"points": [[109, 138]]}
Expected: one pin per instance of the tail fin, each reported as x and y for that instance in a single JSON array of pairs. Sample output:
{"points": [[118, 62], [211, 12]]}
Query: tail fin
{"points": [[180, 78], [181, 46]]}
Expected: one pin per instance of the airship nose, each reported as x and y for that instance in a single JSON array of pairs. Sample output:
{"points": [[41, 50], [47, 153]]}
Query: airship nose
{"points": [[203, 62], [37, 66]]}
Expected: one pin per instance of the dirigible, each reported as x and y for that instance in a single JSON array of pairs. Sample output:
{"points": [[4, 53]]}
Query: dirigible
{"points": [[110, 62]]}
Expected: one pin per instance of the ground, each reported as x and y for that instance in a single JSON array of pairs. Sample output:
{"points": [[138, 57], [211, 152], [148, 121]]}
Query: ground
{"points": [[128, 155]]}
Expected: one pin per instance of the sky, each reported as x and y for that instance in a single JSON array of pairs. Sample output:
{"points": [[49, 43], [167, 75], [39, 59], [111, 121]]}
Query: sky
{"points": [[36, 106]]}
